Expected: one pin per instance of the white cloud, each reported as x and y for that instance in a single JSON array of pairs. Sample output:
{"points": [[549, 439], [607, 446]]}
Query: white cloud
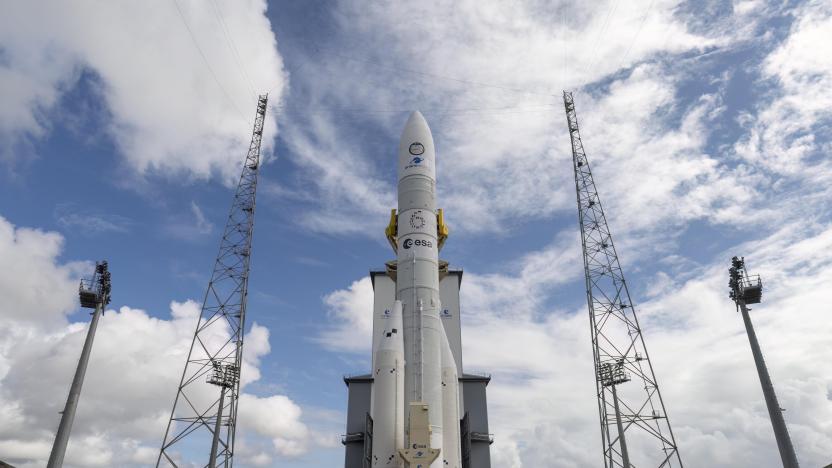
{"points": [[30, 256], [133, 372], [791, 126], [90, 221], [167, 113], [351, 318]]}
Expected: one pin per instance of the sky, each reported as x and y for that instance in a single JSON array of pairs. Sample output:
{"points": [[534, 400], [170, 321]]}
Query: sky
{"points": [[123, 127]]}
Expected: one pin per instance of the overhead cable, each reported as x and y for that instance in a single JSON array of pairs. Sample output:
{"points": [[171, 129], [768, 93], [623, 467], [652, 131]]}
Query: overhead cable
{"points": [[205, 60]]}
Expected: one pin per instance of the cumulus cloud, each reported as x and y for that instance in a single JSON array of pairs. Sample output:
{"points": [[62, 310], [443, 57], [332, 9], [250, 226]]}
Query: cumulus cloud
{"points": [[351, 314], [29, 253], [133, 371], [169, 112]]}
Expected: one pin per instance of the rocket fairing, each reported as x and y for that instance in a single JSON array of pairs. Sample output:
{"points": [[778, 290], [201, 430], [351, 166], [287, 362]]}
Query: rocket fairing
{"points": [[425, 390]]}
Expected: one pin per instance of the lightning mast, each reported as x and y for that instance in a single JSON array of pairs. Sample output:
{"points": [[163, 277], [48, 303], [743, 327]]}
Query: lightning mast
{"points": [[630, 406], [204, 413]]}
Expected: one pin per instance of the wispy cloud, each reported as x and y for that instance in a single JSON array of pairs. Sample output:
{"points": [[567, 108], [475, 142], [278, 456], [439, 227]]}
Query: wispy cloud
{"points": [[73, 217], [195, 227]]}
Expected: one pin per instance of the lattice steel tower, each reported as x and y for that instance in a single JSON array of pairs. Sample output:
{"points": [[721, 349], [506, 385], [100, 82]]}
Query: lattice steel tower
{"points": [[204, 414], [635, 430]]}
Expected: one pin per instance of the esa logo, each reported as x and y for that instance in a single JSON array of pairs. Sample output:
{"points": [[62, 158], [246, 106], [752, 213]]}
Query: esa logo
{"points": [[408, 243]]}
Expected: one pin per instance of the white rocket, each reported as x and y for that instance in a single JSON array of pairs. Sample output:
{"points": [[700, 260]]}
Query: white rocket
{"points": [[415, 400]]}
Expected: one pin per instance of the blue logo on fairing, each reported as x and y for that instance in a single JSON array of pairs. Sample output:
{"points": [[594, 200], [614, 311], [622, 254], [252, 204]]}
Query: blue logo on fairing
{"points": [[416, 161]]}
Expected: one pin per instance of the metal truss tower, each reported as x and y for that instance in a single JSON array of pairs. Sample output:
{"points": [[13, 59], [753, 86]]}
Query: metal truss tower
{"points": [[204, 414], [632, 413]]}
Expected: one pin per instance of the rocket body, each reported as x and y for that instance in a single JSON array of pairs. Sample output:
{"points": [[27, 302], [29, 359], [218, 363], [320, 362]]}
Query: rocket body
{"points": [[417, 284], [415, 396]]}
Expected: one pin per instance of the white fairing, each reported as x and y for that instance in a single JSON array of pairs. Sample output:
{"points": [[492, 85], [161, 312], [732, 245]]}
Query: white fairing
{"points": [[417, 285], [388, 393], [452, 453]]}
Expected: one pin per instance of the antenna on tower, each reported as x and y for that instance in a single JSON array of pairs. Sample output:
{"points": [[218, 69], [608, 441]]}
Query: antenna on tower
{"points": [[204, 413], [626, 387]]}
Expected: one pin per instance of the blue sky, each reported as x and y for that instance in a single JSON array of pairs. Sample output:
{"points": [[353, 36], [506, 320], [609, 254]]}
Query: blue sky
{"points": [[707, 125]]}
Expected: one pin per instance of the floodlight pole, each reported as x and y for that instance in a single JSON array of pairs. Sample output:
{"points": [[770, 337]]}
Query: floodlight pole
{"points": [[781, 433], [745, 289], [215, 441], [625, 455], [96, 293]]}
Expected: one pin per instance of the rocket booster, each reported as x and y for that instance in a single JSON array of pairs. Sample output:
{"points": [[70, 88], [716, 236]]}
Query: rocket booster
{"points": [[387, 407]]}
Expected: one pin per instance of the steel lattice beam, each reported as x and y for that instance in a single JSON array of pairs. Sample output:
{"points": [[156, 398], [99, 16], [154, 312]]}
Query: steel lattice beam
{"points": [[203, 420], [617, 341]]}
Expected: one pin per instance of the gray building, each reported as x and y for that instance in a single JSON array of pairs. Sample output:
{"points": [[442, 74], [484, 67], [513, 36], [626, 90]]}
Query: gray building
{"points": [[476, 439]]}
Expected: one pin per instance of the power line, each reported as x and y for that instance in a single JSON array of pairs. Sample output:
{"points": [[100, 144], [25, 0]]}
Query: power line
{"points": [[599, 34], [381, 66], [470, 110], [638, 31], [205, 60], [232, 46]]}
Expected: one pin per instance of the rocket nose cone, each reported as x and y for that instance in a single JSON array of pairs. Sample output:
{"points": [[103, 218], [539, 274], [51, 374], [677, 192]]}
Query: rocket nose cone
{"points": [[416, 151], [416, 128], [416, 118]]}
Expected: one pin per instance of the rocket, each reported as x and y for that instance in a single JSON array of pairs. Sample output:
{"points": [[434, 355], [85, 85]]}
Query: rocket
{"points": [[415, 396]]}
